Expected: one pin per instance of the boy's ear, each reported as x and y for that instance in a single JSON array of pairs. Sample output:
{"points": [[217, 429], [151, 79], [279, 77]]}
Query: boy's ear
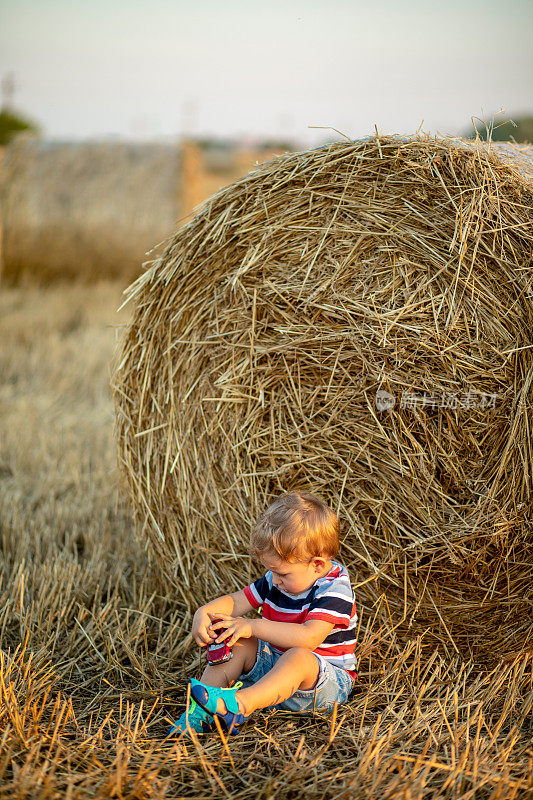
{"points": [[319, 563]]}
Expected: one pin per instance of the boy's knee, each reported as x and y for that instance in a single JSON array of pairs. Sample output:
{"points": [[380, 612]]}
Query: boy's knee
{"points": [[305, 665], [300, 653], [248, 647], [247, 644]]}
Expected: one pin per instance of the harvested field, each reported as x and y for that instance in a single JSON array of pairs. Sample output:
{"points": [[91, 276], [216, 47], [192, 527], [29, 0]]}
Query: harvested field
{"points": [[86, 211], [94, 651], [264, 338]]}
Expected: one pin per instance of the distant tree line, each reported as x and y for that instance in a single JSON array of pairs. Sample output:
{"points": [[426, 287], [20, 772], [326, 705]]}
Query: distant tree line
{"points": [[503, 129], [214, 143], [12, 123], [499, 128]]}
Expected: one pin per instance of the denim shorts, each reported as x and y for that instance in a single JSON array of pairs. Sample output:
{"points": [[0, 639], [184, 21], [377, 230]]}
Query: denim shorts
{"points": [[333, 685]]}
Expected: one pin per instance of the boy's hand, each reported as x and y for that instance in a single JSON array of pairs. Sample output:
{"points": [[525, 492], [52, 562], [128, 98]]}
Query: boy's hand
{"points": [[200, 624], [233, 628]]}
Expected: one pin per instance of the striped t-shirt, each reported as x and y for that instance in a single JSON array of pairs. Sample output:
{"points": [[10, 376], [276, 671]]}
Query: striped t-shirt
{"points": [[330, 598]]}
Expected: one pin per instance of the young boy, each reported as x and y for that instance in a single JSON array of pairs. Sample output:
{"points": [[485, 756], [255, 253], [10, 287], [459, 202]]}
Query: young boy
{"points": [[299, 655]]}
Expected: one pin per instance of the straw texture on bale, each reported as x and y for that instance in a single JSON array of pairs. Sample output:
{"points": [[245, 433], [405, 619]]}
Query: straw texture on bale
{"points": [[86, 210], [261, 337]]}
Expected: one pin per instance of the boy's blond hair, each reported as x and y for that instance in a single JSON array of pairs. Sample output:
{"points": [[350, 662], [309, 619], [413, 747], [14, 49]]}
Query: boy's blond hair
{"points": [[297, 526]]}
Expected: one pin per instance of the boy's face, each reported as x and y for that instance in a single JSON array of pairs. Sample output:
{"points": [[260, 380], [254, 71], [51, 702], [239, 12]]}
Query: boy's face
{"points": [[294, 577]]}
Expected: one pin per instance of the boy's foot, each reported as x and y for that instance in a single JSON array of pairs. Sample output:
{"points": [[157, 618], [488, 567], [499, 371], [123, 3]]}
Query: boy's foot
{"points": [[193, 717], [214, 700]]}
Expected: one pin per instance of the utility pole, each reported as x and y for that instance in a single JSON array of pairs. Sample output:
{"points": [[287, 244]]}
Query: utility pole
{"points": [[8, 90]]}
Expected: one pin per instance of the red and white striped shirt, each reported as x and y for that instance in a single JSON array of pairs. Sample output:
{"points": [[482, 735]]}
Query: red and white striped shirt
{"points": [[330, 598]]}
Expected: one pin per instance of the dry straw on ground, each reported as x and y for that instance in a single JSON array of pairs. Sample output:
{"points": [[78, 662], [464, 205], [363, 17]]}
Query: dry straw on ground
{"points": [[258, 343]]}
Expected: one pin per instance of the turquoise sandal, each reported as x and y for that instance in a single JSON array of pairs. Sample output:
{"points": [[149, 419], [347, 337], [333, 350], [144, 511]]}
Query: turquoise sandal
{"points": [[193, 717], [207, 696]]}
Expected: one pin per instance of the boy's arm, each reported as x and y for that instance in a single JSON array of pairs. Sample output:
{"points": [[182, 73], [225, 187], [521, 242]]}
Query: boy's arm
{"points": [[234, 604], [308, 634]]}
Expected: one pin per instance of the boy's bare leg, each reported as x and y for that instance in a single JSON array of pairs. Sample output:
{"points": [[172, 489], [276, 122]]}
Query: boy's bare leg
{"points": [[244, 656], [295, 669]]}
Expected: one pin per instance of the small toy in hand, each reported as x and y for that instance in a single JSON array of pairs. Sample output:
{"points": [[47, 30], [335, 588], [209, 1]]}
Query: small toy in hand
{"points": [[218, 652]]}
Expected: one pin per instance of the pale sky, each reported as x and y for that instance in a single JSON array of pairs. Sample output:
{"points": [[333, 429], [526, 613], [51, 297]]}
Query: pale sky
{"points": [[148, 68]]}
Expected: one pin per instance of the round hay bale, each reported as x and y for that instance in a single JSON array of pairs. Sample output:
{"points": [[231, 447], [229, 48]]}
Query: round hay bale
{"points": [[353, 320]]}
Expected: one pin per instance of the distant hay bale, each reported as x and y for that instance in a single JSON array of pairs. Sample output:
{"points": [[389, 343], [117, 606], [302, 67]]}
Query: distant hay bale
{"points": [[355, 320], [86, 210]]}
